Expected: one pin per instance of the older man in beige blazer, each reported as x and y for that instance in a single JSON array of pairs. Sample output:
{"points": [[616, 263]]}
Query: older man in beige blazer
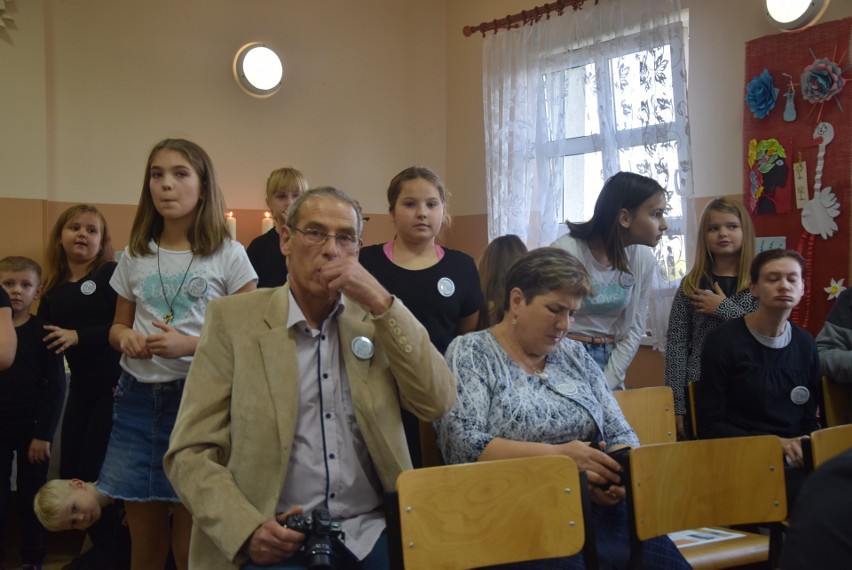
{"points": [[238, 450]]}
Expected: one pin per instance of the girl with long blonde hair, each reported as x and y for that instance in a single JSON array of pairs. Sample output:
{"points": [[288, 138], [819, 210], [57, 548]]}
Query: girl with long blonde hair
{"points": [[715, 290]]}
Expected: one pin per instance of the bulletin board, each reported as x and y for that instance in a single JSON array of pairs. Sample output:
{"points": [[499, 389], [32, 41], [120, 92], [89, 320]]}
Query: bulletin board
{"points": [[797, 149]]}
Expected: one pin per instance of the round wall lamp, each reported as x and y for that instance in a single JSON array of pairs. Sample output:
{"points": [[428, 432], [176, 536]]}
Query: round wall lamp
{"points": [[258, 70], [791, 15]]}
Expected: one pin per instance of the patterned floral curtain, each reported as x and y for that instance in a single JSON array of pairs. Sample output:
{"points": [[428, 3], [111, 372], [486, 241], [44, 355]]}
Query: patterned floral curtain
{"points": [[572, 100]]}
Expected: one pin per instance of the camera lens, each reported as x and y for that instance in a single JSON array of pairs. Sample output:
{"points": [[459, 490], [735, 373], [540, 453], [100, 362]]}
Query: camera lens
{"points": [[319, 553]]}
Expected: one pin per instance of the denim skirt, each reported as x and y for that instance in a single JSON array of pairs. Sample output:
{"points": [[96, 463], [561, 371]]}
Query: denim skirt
{"points": [[143, 417]]}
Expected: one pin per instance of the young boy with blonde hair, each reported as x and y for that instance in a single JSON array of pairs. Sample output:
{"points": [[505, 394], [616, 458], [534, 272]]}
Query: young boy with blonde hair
{"points": [[31, 395], [73, 504], [65, 504]]}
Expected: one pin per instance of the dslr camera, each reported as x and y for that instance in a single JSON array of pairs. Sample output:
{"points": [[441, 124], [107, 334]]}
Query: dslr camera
{"points": [[321, 533]]}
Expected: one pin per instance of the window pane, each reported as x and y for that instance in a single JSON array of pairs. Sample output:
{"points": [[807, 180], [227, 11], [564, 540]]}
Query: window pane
{"points": [[577, 112], [657, 161], [660, 162], [642, 88], [582, 183], [674, 257]]}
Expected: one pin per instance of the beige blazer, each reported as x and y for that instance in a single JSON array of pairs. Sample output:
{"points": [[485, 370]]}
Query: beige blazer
{"points": [[231, 444]]}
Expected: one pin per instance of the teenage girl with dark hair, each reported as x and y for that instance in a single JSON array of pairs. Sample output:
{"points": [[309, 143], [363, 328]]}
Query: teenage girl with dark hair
{"points": [[616, 248]]}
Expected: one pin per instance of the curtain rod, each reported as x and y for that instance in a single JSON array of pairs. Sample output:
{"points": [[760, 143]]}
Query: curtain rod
{"points": [[524, 17]]}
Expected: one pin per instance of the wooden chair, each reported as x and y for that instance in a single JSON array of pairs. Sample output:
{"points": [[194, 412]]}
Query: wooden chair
{"points": [[691, 409], [430, 454], [826, 443], [708, 483], [835, 402], [650, 412], [493, 512]]}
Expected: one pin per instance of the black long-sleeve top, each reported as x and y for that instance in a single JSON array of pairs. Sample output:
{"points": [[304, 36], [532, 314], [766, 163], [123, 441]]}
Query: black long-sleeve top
{"points": [[746, 387], [32, 390], [87, 306], [688, 329], [269, 263]]}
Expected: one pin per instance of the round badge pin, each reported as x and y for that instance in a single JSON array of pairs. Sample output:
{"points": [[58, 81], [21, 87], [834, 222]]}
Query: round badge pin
{"points": [[626, 280], [799, 395], [362, 347], [446, 287], [88, 287], [196, 287]]}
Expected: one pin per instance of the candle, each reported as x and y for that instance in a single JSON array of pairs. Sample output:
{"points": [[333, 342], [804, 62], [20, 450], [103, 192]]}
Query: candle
{"points": [[266, 223], [232, 225]]}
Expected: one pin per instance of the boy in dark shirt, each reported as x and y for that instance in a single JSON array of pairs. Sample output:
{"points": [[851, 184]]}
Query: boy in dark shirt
{"points": [[760, 374], [8, 339], [31, 395]]}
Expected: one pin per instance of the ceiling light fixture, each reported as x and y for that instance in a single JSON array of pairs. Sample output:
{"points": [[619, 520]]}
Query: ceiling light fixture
{"points": [[791, 15], [258, 70]]}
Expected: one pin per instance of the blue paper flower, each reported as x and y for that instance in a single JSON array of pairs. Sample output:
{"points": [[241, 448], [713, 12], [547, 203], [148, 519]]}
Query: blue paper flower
{"points": [[761, 95]]}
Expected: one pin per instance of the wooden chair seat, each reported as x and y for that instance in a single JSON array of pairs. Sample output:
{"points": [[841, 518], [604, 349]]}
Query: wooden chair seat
{"points": [[650, 412], [493, 512], [752, 548]]}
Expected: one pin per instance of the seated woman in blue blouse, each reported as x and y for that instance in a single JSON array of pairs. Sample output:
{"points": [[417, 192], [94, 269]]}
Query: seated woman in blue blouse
{"points": [[524, 389], [760, 374]]}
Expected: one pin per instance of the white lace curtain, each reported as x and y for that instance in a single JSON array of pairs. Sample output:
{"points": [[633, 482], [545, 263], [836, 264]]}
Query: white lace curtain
{"points": [[572, 100]]}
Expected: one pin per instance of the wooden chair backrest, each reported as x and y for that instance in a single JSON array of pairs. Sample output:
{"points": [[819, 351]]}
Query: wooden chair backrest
{"points": [[493, 512], [828, 442], [650, 412], [691, 396], [711, 482], [430, 454], [835, 402]]}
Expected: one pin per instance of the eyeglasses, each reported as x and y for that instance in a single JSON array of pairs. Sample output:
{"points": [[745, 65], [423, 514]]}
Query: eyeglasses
{"points": [[346, 242]]}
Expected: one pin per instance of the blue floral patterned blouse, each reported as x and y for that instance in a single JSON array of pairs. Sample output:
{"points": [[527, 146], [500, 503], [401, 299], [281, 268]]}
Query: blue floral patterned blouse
{"points": [[497, 398]]}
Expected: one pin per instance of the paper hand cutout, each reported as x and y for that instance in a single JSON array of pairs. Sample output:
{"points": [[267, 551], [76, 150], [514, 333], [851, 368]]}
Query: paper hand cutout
{"points": [[819, 213]]}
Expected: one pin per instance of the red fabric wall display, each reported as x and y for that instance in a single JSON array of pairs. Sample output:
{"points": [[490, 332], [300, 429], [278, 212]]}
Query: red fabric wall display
{"points": [[828, 256]]}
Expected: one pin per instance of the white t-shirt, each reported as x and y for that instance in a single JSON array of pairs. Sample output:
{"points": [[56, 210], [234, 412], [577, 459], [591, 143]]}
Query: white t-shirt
{"points": [[599, 315], [186, 282]]}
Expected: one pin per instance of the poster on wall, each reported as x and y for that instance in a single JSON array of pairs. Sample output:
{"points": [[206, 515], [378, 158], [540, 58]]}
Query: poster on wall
{"points": [[797, 151]]}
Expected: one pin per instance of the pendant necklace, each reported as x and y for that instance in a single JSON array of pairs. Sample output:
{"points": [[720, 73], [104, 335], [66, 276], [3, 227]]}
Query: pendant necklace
{"points": [[169, 317], [540, 374]]}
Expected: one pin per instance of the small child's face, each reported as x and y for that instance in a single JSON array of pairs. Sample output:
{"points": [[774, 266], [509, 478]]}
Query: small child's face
{"points": [[23, 288], [279, 202], [81, 237], [80, 509]]}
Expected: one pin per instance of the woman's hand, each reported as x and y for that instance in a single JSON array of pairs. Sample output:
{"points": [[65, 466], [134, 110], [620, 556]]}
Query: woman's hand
{"points": [[600, 468], [793, 451], [706, 302], [611, 496], [60, 339]]}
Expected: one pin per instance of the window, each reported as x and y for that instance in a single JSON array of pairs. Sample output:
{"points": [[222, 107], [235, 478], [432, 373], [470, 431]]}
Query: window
{"points": [[618, 111]]}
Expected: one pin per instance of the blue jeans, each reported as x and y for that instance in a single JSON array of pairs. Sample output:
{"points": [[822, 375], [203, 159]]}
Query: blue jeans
{"points": [[600, 353], [377, 559]]}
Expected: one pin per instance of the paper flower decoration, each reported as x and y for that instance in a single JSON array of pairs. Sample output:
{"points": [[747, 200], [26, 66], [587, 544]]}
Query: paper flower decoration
{"points": [[761, 95], [819, 213], [821, 81], [834, 289], [767, 161]]}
